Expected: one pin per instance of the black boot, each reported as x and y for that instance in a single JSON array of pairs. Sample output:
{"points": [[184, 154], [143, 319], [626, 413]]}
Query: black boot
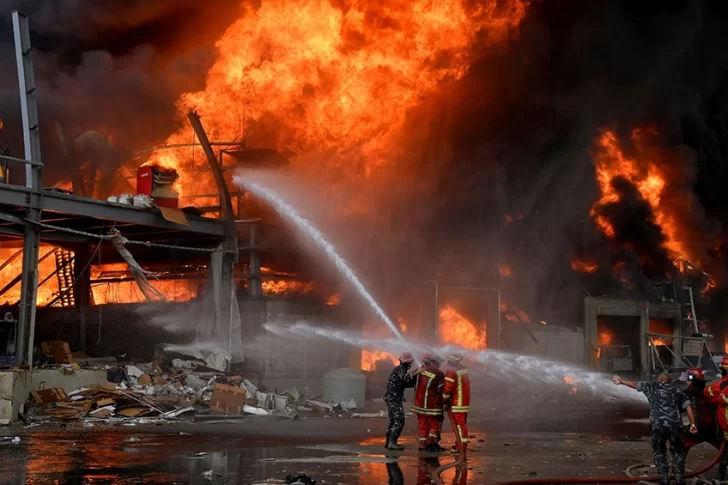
{"points": [[386, 441], [679, 480], [393, 445], [665, 481]]}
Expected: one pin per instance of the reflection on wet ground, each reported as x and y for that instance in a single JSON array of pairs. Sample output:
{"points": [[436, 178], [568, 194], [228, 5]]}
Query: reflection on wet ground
{"points": [[167, 455]]}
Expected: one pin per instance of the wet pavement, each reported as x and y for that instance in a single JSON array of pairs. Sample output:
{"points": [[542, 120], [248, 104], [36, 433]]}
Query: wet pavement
{"points": [[332, 451]]}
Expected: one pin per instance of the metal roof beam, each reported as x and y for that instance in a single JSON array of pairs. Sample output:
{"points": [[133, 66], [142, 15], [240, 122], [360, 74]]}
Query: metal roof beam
{"points": [[69, 204]]}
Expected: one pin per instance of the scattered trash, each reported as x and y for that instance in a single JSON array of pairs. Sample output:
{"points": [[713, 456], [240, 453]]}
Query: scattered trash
{"points": [[192, 387], [209, 475], [16, 440], [300, 479]]}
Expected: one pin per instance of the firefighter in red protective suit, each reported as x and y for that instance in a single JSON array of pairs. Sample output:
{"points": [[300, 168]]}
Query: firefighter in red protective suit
{"points": [[456, 397], [717, 394], [705, 416], [428, 402]]}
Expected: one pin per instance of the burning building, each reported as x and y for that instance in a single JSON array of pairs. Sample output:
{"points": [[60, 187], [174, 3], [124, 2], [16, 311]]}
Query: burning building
{"points": [[461, 144]]}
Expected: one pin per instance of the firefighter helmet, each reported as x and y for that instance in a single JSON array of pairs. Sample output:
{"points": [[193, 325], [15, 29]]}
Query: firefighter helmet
{"points": [[406, 358], [454, 357]]}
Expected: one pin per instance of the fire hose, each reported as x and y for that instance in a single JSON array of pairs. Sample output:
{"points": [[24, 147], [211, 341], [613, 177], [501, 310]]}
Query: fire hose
{"points": [[574, 480], [570, 480]]}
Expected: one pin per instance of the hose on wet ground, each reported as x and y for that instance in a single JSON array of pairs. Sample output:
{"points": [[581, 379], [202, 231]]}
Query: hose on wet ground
{"points": [[575, 480], [459, 444]]}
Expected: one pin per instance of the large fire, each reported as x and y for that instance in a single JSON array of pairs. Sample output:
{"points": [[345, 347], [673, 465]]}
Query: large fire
{"points": [[334, 77], [127, 291], [46, 292], [646, 176], [454, 328], [369, 359]]}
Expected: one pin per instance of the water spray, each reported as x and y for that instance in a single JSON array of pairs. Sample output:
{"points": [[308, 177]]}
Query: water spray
{"points": [[285, 209], [502, 364]]}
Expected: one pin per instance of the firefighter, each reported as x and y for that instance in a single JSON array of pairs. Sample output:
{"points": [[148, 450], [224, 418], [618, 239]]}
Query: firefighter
{"points": [[456, 397], [399, 380], [705, 416], [428, 402], [717, 393]]}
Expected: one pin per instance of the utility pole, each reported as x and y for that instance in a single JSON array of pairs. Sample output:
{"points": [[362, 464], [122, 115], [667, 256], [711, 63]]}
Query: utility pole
{"points": [[33, 181]]}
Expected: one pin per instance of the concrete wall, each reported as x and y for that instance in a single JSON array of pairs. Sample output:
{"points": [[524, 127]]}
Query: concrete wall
{"points": [[593, 307], [16, 385], [551, 342], [277, 363]]}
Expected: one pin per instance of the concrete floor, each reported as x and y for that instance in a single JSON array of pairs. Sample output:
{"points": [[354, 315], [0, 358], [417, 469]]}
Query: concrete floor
{"points": [[346, 451]]}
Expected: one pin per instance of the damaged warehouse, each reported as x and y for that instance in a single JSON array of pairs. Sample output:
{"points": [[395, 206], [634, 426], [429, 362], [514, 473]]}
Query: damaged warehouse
{"points": [[233, 237]]}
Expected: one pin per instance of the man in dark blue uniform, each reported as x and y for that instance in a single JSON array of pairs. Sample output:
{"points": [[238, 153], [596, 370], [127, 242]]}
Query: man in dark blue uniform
{"points": [[399, 380], [666, 406]]}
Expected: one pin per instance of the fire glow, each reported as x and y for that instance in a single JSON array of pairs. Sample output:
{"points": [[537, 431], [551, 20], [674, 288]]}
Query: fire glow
{"points": [[454, 328], [337, 77], [46, 292], [369, 359], [647, 178], [583, 266]]}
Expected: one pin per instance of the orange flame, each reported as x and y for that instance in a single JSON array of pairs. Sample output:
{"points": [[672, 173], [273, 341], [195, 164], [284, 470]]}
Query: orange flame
{"points": [[505, 271], [647, 177], [369, 359], [287, 287], [128, 291], [605, 338], [456, 329], [583, 266], [514, 314], [46, 293], [334, 77], [658, 342]]}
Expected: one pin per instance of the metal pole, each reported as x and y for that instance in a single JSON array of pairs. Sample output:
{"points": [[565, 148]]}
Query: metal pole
{"points": [[225, 204], [33, 180], [692, 309]]}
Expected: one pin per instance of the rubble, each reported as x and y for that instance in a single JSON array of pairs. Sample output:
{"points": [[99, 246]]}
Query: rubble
{"points": [[154, 392]]}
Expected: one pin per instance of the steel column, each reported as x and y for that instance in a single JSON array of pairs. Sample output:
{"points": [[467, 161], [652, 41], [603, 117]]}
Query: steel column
{"points": [[226, 305], [255, 283], [33, 180]]}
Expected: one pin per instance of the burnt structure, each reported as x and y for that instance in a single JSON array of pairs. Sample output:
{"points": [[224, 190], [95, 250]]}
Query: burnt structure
{"points": [[222, 250]]}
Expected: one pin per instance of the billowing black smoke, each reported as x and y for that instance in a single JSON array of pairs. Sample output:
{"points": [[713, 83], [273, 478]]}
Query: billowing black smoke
{"points": [[116, 67], [518, 134]]}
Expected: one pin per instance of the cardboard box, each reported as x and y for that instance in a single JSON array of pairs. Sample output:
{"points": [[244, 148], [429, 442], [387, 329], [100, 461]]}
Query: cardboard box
{"points": [[47, 396], [57, 350], [133, 411], [106, 401], [227, 399]]}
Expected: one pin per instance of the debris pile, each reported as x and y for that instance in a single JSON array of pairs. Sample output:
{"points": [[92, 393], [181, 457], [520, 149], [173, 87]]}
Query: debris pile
{"points": [[153, 391]]}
